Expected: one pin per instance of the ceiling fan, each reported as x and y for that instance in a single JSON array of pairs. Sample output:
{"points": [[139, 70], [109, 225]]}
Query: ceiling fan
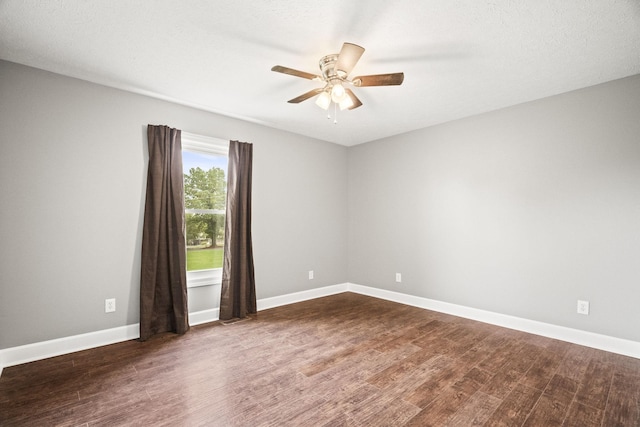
{"points": [[335, 69]]}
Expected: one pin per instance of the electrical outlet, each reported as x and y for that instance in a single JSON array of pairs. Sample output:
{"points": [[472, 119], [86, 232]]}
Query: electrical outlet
{"points": [[583, 307], [398, 278], [310, 274], [109, 305]]}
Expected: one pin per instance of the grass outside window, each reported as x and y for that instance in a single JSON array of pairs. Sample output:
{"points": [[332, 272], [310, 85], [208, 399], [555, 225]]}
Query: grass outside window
{"points": [[204, 259]]}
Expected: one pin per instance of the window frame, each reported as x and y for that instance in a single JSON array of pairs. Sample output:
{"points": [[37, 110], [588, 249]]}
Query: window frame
{"points": [[210, 146]]}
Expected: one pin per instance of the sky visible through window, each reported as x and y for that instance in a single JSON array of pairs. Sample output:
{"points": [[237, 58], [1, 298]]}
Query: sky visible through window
{"points": [[203, 161]]}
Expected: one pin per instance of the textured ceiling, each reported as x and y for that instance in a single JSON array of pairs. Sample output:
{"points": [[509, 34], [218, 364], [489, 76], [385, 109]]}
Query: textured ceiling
{"points": [[460, 58]]}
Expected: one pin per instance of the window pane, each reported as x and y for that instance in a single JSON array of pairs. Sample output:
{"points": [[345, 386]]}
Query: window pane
{"points": [[205, 189], [205, 182], [205, 241]]}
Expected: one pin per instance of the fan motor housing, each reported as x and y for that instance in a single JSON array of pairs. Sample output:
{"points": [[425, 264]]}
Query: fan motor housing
{"points": [[327, 66]]}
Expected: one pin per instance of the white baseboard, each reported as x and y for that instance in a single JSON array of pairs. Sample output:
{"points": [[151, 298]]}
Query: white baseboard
{"points": [[575, 336], [56, 347], [266, 303]]}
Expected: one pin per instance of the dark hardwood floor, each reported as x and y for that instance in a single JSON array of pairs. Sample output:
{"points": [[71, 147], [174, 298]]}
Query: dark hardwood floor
{"points": [[344, 360]]}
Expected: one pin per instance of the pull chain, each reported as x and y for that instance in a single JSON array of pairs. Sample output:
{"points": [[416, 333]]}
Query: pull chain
{"points": [[335, 114]]}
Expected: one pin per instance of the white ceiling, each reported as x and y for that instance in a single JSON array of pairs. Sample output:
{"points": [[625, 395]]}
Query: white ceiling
{"points": [[460, 57]]}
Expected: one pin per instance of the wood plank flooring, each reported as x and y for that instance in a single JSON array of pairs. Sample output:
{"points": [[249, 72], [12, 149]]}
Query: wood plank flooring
{"points": [[343, 360]]}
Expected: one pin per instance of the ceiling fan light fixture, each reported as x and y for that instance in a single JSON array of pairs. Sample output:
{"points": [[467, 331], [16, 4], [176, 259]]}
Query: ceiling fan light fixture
{"points": [[324, 100], [337, 93], [346, 103]]}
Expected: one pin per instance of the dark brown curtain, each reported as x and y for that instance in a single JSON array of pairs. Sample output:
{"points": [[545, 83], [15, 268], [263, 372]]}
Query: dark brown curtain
{"points": [[163, 281], [238, 296]]}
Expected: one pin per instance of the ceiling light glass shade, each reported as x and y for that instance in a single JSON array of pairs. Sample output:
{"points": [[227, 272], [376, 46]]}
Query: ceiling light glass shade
{"points": [[337, 93], [324, 100], [346, 102]]}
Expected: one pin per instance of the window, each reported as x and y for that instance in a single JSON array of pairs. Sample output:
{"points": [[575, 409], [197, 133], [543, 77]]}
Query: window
{"points": [[204, 162]]}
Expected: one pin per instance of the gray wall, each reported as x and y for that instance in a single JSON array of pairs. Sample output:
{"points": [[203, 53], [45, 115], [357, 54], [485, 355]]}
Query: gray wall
{"points": [[520, 211], [72, 177]]}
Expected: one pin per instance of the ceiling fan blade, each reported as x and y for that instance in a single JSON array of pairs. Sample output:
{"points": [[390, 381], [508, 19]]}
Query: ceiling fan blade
{"points": [[354, 98], [379, 80], [348, 57], [305, 96], [296, 73]]}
